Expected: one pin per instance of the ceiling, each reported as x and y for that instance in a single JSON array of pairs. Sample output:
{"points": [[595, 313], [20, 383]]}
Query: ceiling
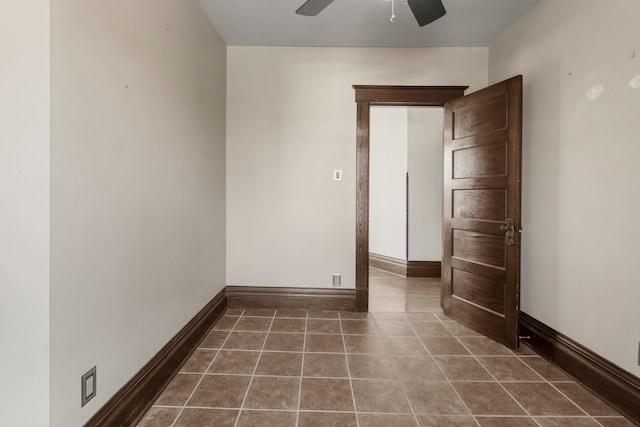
{"points": [[361, 23]]}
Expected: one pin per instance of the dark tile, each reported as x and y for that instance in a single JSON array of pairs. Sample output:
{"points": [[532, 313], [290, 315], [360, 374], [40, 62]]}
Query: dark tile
{"points": [[567, 422], [582, 397], [191, 417], [326, 394], [234, 312], [387, 420], [483, 346], [214, 339], [245, 341], [394, 327], [159, 417], [446, 421], [259, 312], [371, 366], [178, 390], [298, 314], [380, 396], [404, 346], [506, 422], [273, 393], [460, 330], [615, 422], [354, 315], [280, 364], [462, 368], [546, 369], [416, 368], [430, 329], [526, 350], [434, 398], [284, 342], [220, 391], [359, 327], [323, 419], [509, 368], [542, 399], [365, 344], [288, 325], [325, 365], [267, 419], [444, 346], [388, 316], [323, 315], [487, 399], [324, 344], [255, 324], [199, 361], [323, 326], [235, 362], [427, 317], [226, 323]]}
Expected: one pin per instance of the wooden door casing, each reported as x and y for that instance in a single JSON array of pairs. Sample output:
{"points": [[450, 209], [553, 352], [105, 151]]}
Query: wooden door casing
{"points": [[481, 210]]}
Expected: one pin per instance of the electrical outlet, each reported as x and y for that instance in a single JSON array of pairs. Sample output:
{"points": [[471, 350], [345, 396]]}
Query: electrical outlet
{"points": [[336, 281], [88, 386]]}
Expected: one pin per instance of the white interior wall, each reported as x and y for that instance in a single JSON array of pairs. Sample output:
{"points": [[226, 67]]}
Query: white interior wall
{"points": [[291, 120], [24, 212], [387, 181], [425, 165], [580, 172], [137, 187]]}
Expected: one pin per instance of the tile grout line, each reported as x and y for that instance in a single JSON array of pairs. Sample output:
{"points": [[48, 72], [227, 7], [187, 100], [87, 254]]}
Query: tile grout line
{"points": [[346, 359], [304, 344], [255, 368], [205, 371]]}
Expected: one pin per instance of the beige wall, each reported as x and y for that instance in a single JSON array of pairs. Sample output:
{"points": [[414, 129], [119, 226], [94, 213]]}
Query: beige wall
{"points": [[580, 168], [291, 121], [137, 186], [24, 213]]}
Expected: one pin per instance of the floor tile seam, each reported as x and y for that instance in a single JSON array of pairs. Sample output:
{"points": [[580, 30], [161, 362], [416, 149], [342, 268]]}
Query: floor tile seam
{"points": [[353, 394], [304, 345], [569, 398], [246, 393], [201, 378], [406, 396]]}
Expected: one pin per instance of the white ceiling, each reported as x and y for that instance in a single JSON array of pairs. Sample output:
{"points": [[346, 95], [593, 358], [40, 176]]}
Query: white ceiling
{"points": [[361, 23]]}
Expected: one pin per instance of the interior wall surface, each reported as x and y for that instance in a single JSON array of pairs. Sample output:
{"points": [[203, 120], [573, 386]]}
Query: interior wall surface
{"points": [[291, 120], [138, 93], [24, 212], [425, 166], [387, 182], [581, 68]]}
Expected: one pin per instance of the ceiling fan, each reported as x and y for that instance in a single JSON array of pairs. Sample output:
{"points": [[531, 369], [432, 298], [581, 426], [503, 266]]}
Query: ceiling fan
{"points": [[425, 11]]}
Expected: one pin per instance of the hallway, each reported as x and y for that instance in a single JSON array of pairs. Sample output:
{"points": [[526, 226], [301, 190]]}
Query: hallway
{"points": [[402, 364]]}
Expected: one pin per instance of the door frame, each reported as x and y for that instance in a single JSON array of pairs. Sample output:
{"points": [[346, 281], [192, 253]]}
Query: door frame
{"points": [[367, 96]]}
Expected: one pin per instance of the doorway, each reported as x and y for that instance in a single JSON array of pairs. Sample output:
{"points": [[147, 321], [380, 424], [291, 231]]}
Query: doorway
{"points": [[367, 96]]}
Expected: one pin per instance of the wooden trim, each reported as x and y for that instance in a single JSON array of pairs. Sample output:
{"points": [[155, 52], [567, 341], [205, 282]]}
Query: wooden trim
{"points": [[426, 269], [131, 402], [366, 96], [291, 298], [388, 264], [614, 385]]}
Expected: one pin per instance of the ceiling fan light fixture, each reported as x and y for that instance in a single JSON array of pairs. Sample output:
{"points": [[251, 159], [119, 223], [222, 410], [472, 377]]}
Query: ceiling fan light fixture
{"points": [[313, 7]]}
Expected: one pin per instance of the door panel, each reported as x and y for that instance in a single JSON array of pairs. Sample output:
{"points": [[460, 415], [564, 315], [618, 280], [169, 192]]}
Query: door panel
{"points": [[481, 210]]}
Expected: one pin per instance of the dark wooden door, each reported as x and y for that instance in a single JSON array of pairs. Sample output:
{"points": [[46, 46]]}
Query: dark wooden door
{"points": [[481, 210]]}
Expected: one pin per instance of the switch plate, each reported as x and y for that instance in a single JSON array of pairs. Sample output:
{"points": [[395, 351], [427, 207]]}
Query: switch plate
{"points": [[336, 281], [88, 386], [337, 174]]}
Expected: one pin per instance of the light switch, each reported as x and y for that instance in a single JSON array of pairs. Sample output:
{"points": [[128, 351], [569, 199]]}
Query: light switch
{"points": [[337, 174]]}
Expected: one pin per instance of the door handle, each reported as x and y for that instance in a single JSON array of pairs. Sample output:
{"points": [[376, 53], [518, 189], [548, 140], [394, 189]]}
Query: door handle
{"points": [[508, 228]]}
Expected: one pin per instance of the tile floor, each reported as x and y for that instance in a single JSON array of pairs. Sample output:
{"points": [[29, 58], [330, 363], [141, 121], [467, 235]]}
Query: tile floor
{"points": [[403, 364]]}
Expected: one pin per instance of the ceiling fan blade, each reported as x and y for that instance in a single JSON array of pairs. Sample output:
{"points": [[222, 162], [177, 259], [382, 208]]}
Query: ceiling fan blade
{"points": [[427, 11], [313, 7]]}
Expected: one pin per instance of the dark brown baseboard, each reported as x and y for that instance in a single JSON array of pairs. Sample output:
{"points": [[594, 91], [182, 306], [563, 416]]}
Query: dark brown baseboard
{"points": [[291, 298], [614, 385], [131, 402], [427, 269]]}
